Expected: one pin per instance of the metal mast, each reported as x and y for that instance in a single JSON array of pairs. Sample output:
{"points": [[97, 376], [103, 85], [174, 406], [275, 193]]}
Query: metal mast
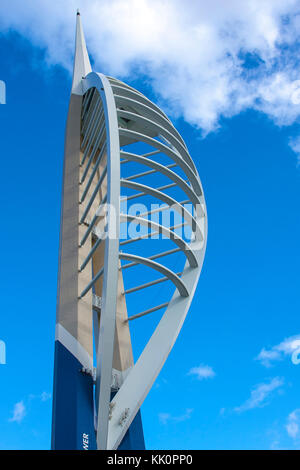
{"points": [[112, 132]]}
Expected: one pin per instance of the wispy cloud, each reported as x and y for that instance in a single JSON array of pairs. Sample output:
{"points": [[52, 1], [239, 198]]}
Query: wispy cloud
{"points": [[45, 396], [202, 372], [165, 418], [205, 59], [260, 394], [20, 408], [267, 357], [294, 143], [293, 423], [19, 412]]}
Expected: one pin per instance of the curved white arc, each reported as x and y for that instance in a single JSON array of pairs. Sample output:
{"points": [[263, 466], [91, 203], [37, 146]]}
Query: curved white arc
{"points": [[138, 96], [165, 171], [160, 268], [146, 108], [111, 258], [176, 157], [149, 113], [115, 418], [159, 128], [173, 203], [185, 247], [118, 82], [185, 156], [142, 376]]}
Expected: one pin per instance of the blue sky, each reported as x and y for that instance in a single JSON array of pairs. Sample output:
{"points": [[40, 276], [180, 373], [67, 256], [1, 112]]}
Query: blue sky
{"points": [[229, 382]]}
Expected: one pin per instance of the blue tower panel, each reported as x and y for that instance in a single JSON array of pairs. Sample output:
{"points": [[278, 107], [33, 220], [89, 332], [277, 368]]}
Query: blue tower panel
{"points": [[134, 437], [73, 412]]}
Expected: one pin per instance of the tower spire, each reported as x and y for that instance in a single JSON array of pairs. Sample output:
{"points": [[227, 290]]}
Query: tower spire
{"points": [[82, 64]]}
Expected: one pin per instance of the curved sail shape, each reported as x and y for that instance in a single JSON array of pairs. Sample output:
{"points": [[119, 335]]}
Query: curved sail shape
{"points": [[112, 131]]}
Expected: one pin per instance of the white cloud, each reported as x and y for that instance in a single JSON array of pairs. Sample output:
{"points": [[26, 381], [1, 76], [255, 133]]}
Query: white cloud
{"points": [[165, 418], [260, 394], [268, 356], [20, 408], [202, 372], [19, 412], [294, 143], [193, 53], [292, 426], [45, 396]]}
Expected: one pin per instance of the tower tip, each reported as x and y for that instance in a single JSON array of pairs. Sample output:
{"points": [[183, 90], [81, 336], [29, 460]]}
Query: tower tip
{"points": [[82, 66]]}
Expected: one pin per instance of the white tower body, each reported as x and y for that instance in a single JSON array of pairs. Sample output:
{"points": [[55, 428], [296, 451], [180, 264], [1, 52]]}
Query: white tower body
{"points": [[111, 128]]}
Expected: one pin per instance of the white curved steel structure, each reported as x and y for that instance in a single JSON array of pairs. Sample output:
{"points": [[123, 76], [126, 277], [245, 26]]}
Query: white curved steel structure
{"points": [[120, 128]]}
